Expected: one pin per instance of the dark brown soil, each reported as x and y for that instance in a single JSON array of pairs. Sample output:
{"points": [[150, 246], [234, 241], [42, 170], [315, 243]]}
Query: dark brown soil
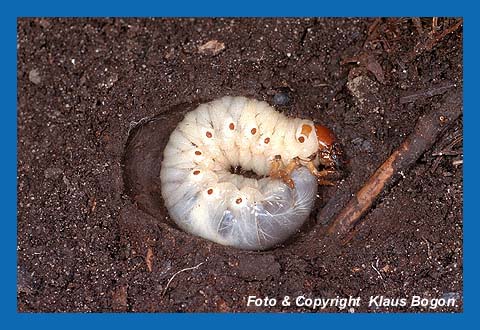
{"points": [[92, 232]]}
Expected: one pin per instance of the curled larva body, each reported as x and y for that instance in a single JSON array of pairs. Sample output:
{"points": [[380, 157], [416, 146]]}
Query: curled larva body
{"points": [[205, 199]]}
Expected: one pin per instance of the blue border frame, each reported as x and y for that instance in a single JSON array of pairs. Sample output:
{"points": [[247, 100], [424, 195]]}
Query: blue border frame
{"points": [[220, 8]]}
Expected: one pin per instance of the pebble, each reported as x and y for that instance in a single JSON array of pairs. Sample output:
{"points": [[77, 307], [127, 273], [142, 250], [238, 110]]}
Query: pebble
{"points": [[212, 47], [34, 76], [281, 98]]}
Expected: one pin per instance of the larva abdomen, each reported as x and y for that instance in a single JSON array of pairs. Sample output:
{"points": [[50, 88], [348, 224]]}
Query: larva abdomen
{"points": [[204, 198]]}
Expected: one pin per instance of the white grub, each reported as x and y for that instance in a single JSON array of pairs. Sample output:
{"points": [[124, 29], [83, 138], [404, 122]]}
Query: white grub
{"points": [[205, 199]]}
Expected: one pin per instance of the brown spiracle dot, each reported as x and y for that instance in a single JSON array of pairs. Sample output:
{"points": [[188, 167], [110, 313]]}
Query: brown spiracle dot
{"points": [[301, 139], [238, 200], [253, 131], [196, 172], [210, 191], [231, 126], [198, 153], [209, 134], [267, 140]]}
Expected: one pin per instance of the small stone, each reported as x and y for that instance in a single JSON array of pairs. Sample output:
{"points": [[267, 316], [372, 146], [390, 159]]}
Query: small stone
{"points": [[212, 47], [34, 76], [282, 96]]}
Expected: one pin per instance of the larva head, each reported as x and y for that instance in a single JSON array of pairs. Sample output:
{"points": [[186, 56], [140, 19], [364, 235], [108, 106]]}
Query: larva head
{"points": [[305, 138], [329, 153]]}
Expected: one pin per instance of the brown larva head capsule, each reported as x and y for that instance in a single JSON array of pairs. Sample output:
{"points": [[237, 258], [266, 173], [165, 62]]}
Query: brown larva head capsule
{"points": [[329, 152]]}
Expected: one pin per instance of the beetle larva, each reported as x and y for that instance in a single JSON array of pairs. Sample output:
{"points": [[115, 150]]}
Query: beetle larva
{"points": [[206, 199]]}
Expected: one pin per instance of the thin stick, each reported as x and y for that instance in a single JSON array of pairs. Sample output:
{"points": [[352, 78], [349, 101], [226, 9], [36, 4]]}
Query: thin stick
{"points": [[433, 40], [433, 91], [376, 270], [180, 271], [437, 38], [428, 129]]}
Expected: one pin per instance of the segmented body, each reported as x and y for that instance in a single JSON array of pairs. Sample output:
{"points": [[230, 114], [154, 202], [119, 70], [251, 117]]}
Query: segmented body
{"points": [[206, 199]]}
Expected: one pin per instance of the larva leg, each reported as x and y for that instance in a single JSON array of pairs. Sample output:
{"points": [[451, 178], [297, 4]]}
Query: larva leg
{"points": [[320, 174], [323, 182], [284, 174], [294, 163], [276, 163]]}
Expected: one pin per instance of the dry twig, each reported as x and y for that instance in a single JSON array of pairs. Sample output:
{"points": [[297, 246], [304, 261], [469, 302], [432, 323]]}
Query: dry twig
{"points": [[429, 127], [433, 91], [432, 39], [149, 259]]}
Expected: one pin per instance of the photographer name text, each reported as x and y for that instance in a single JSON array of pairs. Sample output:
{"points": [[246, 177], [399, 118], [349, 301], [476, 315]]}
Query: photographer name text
{"points": [[377, 301]]}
